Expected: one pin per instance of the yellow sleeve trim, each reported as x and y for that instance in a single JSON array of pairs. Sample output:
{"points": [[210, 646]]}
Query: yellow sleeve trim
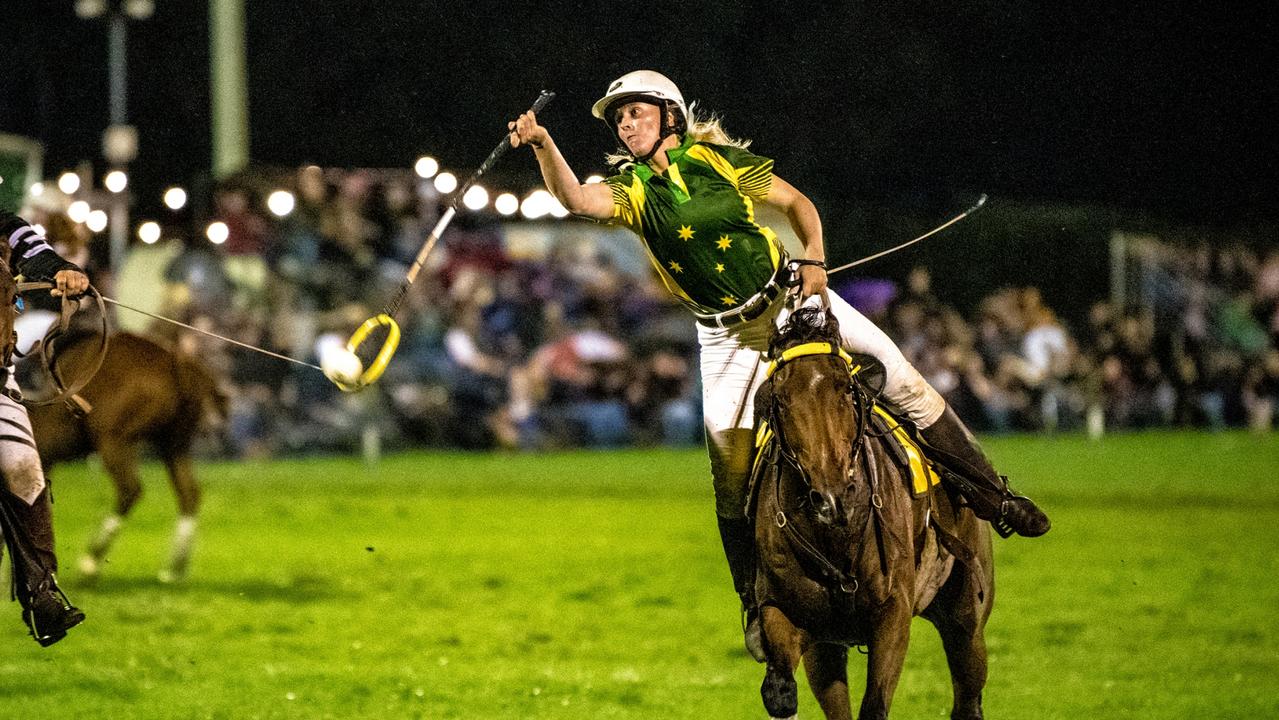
{"points": [[628, 201], [717, 162], [755, 181]]}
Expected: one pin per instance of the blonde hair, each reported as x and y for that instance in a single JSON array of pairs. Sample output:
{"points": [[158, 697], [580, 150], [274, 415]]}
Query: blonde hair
{"points": [[706, 128]]}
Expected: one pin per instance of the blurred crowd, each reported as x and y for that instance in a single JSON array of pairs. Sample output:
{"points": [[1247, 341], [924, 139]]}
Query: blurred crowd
{"points": [[567, 347], [1197, 347]]}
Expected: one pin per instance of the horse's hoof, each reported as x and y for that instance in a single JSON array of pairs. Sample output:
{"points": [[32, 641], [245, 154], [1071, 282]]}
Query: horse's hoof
{"points": [[169, 577]]}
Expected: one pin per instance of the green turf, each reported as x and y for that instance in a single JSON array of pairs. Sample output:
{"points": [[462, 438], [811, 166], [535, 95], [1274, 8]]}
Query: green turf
{"points": [[591, 585]]}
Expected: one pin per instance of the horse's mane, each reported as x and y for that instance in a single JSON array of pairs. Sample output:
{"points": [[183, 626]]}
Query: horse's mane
{"points": [[805, 325]]}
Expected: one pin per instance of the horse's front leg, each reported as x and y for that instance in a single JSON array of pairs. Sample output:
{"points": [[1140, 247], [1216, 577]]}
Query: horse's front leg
{"points": [[827, 668], [783, 647], [890, 635]]}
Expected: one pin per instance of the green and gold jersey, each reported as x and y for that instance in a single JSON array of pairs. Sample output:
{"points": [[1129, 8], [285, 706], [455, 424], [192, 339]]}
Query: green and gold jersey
{"points": [[697, 221]]}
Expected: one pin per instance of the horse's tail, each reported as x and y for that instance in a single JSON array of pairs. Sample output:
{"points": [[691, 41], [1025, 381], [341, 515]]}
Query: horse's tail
{"points": [[199, 392]]}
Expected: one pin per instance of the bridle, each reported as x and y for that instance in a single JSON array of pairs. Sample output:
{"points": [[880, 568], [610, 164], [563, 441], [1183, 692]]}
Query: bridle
{"points": [[863, 403], [862, 400]]}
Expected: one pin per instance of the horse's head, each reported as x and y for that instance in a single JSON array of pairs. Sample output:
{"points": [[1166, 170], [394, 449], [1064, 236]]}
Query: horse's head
{"points": [[8, 296], [815, 408]]}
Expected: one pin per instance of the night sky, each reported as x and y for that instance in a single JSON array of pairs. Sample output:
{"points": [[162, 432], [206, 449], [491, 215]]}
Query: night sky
{"points": [[1155, 109]]}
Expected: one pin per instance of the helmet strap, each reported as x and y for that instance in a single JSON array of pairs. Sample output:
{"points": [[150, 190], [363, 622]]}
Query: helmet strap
{"points": [[653, 150], [668, 128]]}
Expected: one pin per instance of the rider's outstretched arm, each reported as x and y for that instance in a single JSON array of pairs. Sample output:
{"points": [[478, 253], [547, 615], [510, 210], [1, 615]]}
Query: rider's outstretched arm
{"points": [[592, 201]]}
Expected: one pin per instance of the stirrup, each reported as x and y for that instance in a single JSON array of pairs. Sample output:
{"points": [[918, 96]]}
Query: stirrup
{"points": [[1000, 522], [70, 615], [976, 499]]}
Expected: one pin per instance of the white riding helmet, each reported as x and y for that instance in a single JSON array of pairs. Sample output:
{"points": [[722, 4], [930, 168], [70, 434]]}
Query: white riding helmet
{"points": [[643, 83]]}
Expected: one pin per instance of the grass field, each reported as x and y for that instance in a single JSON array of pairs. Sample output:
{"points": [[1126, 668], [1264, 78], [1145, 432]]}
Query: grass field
{"points": [[591, 585]]}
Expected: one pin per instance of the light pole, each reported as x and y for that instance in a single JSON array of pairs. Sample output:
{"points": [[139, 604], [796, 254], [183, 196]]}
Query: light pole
{"points": [[120, 140], [227, 94]]}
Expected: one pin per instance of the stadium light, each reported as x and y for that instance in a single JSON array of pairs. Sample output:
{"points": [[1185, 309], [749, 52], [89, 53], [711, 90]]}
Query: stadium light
{"points": [[426, 167], [139, 9], [445, 182], [90, 9], [476, 198], [217, 232], [175, 198], [97, 221], [116, 181], [37, 190], [149, 232], [78, 211], [507, 204], [281, 203], [557, 209], [536, 205], [68, 183]]}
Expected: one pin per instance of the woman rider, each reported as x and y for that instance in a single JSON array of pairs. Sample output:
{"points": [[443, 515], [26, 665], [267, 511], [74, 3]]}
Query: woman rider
{"points": [[689, 191]]}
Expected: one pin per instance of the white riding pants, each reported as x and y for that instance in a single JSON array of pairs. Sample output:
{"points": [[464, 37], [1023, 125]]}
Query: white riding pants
{"points": [[733, 367], [19, 460]]}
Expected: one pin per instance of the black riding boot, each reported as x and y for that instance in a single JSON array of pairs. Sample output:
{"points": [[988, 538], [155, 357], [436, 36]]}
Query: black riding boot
{"points": [[28, 531], [739, 546], [985, 491]]}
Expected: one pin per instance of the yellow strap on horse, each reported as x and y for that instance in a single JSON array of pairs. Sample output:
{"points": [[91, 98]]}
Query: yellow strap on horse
{"points": [[383, 358], [762, 436], [813, 348]]}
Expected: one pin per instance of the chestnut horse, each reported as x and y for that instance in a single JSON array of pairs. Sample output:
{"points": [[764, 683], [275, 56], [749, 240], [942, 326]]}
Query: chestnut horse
{"points": [[848, 554], [143, 394]]}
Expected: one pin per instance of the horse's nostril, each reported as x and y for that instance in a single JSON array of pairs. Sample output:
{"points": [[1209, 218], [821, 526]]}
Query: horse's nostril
{"points": [[817, 499]]}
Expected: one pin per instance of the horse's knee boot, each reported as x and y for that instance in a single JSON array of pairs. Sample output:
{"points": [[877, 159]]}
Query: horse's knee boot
{"points": [[780, 694]]}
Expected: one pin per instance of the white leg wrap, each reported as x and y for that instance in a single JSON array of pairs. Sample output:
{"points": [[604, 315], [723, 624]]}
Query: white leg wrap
{"points": [[183, 538], [107, 531]]}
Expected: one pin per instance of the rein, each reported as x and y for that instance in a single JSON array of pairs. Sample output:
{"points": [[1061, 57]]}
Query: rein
{"points": [[863, 403], [67, 392]]}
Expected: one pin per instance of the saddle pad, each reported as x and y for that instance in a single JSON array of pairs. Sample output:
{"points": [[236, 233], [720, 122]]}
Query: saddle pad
{"points": [[922, 475]]}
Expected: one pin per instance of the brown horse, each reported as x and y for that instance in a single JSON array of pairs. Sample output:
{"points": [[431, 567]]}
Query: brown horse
{"points": [[848, 554], [142, 394]]}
